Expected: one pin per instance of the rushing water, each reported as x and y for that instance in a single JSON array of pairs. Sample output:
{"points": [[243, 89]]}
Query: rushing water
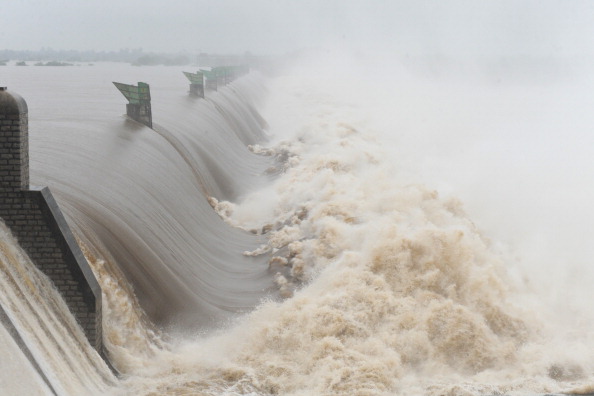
{"points": [[328, 252]]}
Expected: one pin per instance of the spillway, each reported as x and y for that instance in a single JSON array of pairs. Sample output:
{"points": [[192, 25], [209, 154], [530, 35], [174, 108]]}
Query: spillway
{"points": [[357, 278], [143, 193]]}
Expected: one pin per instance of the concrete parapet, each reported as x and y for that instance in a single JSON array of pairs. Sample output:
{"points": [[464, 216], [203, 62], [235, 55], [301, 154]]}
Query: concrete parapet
{"points": [[14, 333]]}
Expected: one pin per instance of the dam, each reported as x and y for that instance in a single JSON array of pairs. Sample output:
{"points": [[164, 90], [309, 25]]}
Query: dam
{"points": [[257, 242]]}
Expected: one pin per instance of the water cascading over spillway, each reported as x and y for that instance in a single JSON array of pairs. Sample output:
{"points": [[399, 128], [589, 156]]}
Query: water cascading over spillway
{"points": [[394, 290], [139, 197]]}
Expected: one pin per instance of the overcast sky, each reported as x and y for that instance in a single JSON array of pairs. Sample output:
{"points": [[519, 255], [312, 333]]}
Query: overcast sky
{"points": [[563, 27]]}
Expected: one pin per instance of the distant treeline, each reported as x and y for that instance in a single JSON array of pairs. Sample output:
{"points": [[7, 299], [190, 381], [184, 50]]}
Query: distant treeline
{"points": [[123, 55], [133, 56]]}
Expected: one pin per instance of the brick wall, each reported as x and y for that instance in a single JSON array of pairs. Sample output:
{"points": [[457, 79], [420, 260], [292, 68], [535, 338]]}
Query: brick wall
{"points": [[35, 219]]}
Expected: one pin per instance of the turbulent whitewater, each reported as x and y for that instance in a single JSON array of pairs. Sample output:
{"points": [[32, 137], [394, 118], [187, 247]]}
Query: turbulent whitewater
{"points": [[296, 253]]}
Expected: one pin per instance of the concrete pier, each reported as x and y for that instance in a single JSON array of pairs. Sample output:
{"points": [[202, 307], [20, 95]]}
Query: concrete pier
{"points": [[211, 79], [139, 102], [196, 83], [35, 219]]}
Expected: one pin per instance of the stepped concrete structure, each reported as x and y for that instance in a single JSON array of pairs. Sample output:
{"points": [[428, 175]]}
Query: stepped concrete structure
{"points": [[35, 219]]}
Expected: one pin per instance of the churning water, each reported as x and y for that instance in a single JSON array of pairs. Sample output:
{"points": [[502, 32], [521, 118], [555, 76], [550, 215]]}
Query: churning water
{"points": [[402, 235]]}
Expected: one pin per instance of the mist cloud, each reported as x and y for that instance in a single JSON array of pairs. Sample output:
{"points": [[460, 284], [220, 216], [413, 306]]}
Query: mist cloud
{"points": [[459, 28]]}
